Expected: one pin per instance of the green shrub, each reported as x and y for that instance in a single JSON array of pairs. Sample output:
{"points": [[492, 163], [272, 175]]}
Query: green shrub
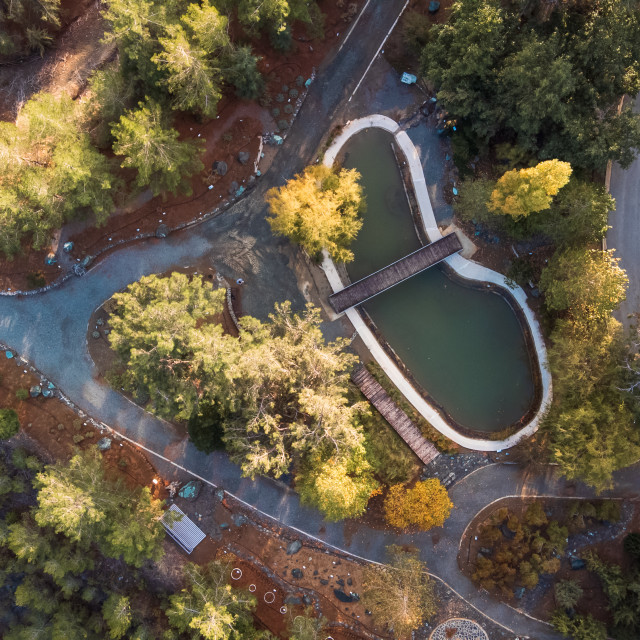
{"points": [[36, 280], [22, 394], [9, 423]]}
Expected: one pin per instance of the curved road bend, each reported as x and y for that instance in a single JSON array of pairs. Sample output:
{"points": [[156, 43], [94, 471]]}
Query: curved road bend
{"points": [[624, 234], [49, 330]]}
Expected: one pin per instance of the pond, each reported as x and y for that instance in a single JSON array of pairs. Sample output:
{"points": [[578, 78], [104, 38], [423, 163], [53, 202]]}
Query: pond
{"points": [[463, 345]]}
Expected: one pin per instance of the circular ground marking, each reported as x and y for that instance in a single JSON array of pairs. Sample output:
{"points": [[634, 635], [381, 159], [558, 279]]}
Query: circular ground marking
{"points": [[459, 629], [269, 597], [236, 574], [252, 587]]}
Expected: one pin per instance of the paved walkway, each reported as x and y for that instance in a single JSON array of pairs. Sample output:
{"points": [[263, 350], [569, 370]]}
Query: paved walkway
{"points": [[464, 268], [50, 331], [624, 234]]}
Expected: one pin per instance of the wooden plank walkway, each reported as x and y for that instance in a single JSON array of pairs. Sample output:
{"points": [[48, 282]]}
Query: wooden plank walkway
{"points": [[393, 274], [394, 415]]}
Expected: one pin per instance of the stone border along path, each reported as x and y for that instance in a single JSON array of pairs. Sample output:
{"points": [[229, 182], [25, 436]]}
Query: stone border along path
{"points": [[466, 269]]}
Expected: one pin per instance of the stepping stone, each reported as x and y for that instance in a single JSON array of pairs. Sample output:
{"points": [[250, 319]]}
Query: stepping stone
{"points": [[294, 547]]}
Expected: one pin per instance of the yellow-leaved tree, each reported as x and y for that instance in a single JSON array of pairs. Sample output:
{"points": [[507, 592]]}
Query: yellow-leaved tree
{"points": [[319, 209], [424, 505], [523, 191]]}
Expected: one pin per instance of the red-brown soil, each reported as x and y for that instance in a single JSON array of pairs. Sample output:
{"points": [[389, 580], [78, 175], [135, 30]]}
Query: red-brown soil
{"points": [[237, 128], [48, 429]]}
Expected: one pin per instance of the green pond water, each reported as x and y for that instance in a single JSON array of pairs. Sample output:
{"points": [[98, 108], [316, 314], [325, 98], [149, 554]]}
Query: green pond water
{"points": [[464, 346]]}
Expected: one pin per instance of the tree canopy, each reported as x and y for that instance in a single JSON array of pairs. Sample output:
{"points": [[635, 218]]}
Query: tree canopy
{"points": [[549, 78], [586, 282], [77, 501], [319, 209], [208, 607], [150, 146], [521, 192], [424, 505], [49, 173], [276, 395], [400, 594], [9, 423]]}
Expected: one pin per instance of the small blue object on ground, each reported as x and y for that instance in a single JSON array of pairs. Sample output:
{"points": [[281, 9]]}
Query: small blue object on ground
{"points": [[408, 78], [239, 281], [434, 5], [9, 354], [50, 259], [67, 247], [455, 191]]}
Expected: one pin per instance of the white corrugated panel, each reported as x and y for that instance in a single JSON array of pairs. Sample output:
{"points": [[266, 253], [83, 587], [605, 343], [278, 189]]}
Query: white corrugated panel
{"points": [[183, 531]]}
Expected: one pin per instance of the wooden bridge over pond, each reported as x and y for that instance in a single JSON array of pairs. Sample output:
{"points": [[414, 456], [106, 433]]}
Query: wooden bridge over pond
{"points": [[395, 273], [394, 415]]}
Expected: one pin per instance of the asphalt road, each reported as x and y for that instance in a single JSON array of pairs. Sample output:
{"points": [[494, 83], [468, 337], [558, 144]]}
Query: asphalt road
{"points": [[624, 234]]}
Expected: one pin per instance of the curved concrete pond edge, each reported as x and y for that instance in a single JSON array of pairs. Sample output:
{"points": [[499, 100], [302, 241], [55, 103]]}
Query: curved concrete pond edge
{"points": [[464, 268]]}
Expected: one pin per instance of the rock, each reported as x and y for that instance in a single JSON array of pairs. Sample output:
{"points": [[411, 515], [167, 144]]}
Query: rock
{"points": [[35, 391], [324, 582], [485, 551], [162, 231], [291, 599], [67, 247], [434, 5], [251, 181], [297, 573], [220, 167], [86, 261], [354, 596], [233, 188], [342, 596], [95, 334], [294, 547], [243, 157], [340, 582], [104, 444], [239, 519], [349, 581], [307, 599], [577, 563], [191, 490], [99, 322]]}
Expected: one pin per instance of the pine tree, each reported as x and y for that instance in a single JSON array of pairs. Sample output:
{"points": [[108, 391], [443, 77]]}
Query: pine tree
{"points": [[152, 148]]}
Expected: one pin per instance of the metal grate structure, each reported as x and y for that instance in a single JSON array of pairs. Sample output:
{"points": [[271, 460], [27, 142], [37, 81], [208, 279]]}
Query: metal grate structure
{"points": [[183, 530]]}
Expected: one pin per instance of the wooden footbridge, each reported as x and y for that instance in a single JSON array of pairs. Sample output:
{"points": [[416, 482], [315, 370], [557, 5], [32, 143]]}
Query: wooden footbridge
{"points": [[394, 415], [397, 272]]}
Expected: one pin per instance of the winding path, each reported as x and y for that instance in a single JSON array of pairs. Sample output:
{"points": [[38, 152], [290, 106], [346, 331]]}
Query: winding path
{"points": [[49, 330]]}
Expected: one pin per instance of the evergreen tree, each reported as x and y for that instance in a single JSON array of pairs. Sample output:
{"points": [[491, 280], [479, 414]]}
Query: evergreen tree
{"points": [[208, 607], [148, 145], [9, 423], [77, 501]]}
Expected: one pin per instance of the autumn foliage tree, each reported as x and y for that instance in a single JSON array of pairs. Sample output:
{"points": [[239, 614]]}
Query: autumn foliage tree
{"points": [[400, 594], [424, 505], [521, 192], [339, 487], [319, 209]]}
